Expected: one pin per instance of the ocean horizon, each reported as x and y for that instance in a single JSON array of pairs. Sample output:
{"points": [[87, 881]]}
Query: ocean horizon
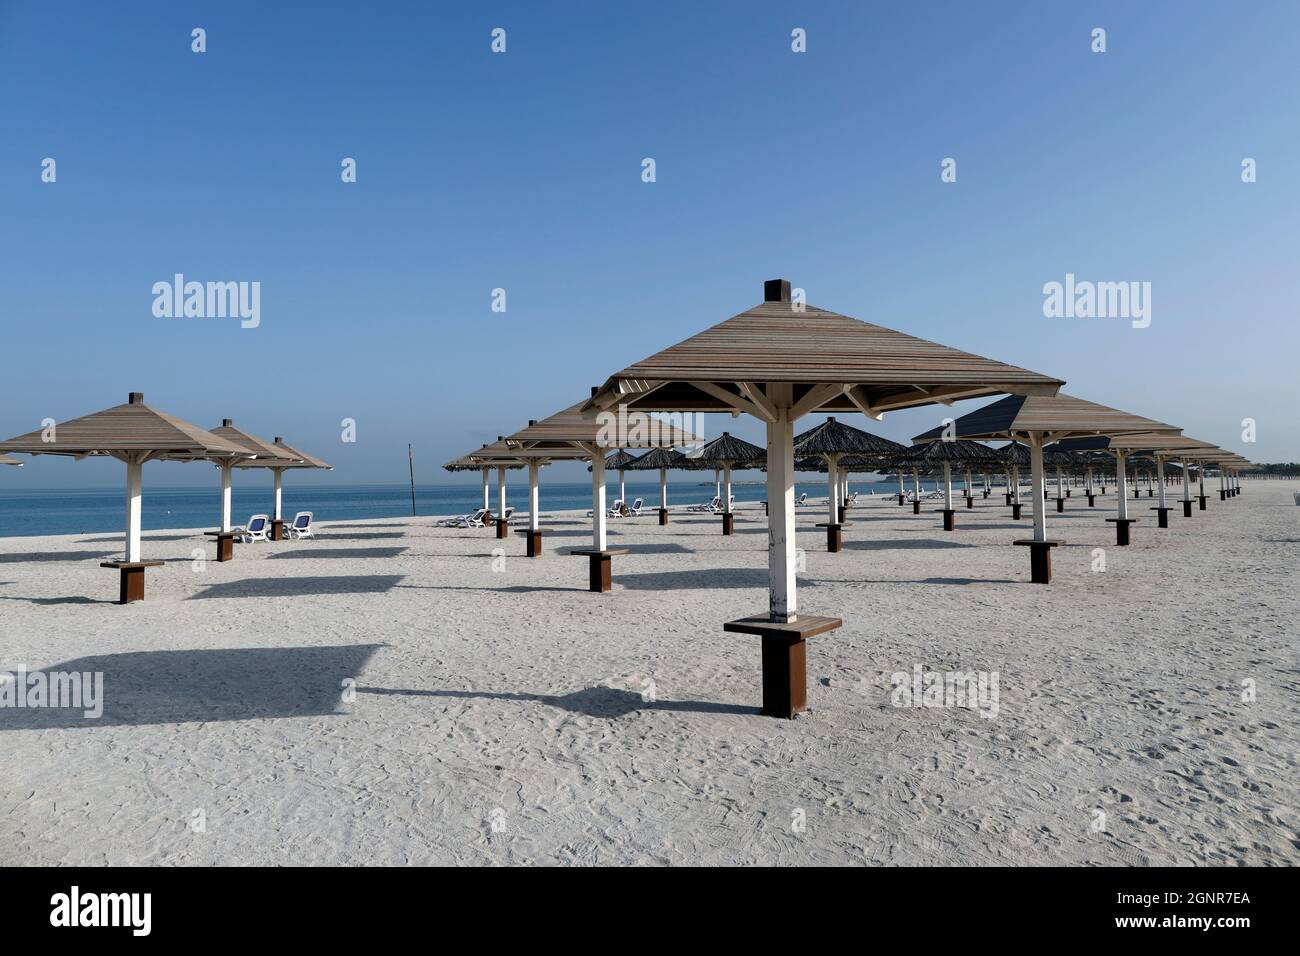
{"points": [[43, 511]]}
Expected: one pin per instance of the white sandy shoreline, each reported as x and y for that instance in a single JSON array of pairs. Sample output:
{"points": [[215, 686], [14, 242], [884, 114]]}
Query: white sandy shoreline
{"points": [[492, 690]]}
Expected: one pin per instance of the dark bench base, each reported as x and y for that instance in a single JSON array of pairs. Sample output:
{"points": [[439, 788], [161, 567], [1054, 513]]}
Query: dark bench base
{"points": [[225, 544], [902, 499], [1060, 505], [534, 543], [130, 578], [1162, 517], [916, 506], [840, 512], [1151, 492], [949, 519], [986, 492], [1008, 497], [1187, 508], [970, 503], [503, 528], [834, 538], [1223, 494], [1092, 500], [277, 529], [1202, 499], [1015, 510], [785, 668], [1040, 559], [599, 579], [728, 523], [663, 516], [1122, 525]]}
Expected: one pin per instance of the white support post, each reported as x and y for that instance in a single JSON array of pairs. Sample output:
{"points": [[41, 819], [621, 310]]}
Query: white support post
{"points": [[1015, 484], [901, 489], [501, 492], [598, 502], [534, 519], [832, 488], [1039, 483], [663, 487], [279, 482], [1222, 485], [947, 486], [1060, 483], [968, 483], [487, 495], [916, 483], [1121, 484], [1187, 488], [134, 467], [225, 494], [717, 483], [726, 488], [1087, 481], [622, 487], [782, 600], [1160, 477], [1200, 478]]}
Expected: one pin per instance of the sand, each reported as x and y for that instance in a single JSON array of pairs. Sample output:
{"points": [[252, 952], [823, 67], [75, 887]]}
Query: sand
{"points": [[500, 711]]}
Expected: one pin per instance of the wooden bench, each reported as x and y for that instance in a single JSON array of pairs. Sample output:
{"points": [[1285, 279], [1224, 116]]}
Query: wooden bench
{"points": [[1040, 558], [225, 543], [1162, 517], [785, 667], [600, 566], [131, 578]]}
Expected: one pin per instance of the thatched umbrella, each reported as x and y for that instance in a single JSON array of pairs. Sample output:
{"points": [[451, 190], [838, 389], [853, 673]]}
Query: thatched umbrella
{"points": [[660, 459], [834, 442], [484, 460], [1059, 458], [133, 433], [779, 361], [1013, 456], [1040, 420], [724, 452], [944, 453]]}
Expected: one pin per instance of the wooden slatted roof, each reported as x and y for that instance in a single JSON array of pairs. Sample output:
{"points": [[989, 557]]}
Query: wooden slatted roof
{"points": [[1148, 442], [284, 449], [571, 427], [130, 428], [1056, 416], [869, 368], [6, 460]]}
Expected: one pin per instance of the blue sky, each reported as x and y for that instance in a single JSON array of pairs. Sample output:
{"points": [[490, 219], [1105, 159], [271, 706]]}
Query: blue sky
{"points": [[522, 171]]}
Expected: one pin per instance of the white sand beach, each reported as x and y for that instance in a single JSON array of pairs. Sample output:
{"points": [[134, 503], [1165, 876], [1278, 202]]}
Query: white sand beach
{"points": [[500, 712]]}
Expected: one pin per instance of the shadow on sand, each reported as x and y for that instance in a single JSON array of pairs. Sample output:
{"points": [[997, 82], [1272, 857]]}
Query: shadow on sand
{"points": [[22, 557], [900, 545], [300, 587], [167, 687], [370, 536], [314, 552], [604, 702], [704, 578]]}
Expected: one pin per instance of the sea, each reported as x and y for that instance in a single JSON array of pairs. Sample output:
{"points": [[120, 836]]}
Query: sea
{"points": [[80, 511]]}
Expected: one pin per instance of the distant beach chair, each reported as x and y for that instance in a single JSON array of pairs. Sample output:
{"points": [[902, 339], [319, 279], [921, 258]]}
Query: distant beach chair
{"points": [[635, 507], [715, 505], [472, 520], [851, 498], [255, 530], [301, 527], [801, 500]]}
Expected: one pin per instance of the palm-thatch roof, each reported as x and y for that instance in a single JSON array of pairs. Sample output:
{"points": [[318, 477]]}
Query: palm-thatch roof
{"points": [[653, 460], [618, 461], [496, 455], [726, 449], [957, 452], [833, 437]]}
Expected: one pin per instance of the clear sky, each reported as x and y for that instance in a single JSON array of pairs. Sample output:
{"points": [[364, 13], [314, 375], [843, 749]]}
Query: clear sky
{"points": [[522, 171]]}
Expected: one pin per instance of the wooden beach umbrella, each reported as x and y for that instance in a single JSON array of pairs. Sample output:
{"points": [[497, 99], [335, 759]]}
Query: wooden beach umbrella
{"points": [[724, 452], [779, 361], [657, 459], [280, 457], [1160, 447], [1060, 460], [132, 433], [6, 460], [834, 442], [619, 462], [475, 461], [573, 433], [1038, 420]]}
